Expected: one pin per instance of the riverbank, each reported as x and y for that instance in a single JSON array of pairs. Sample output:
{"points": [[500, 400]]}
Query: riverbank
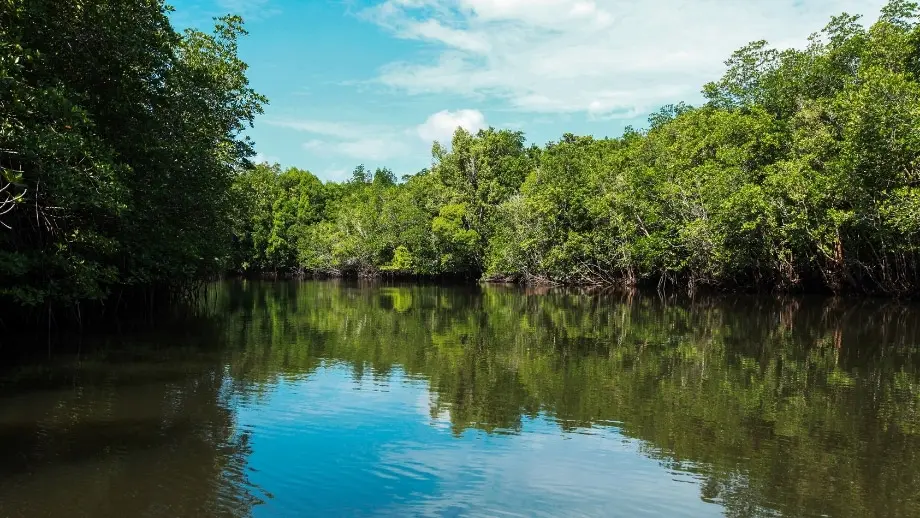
{"points": [[661, 286]]}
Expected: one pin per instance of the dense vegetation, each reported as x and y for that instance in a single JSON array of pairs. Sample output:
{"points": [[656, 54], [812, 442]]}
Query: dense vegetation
{"points": [[119, 139], [799, 172], [124, 176]]}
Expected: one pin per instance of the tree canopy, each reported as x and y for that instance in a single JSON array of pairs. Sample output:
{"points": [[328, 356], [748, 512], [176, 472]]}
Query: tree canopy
{"points": [[799, 171], [119, 142]]}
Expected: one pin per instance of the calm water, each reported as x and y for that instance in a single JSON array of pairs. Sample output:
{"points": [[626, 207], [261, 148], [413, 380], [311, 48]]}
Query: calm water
{"points": [[333, 399]]}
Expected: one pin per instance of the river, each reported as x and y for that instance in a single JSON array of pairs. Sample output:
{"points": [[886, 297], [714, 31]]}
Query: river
{"points": [[290, 399]]}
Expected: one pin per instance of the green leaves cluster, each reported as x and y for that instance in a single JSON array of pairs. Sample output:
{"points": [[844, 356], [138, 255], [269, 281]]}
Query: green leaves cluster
{"points": [[800, 171], [437, 222], [119, 141]]}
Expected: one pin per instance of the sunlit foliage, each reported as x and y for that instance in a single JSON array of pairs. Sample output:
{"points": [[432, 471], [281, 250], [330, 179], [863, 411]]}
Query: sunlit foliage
{"points": [[800, 171]]}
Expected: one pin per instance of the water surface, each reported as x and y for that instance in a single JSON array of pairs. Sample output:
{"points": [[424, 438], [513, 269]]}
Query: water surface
{"points": [[338, 399]]}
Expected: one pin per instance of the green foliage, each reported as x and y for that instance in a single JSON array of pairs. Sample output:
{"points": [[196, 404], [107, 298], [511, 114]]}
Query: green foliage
{"points": [[801, 171], [274, 213], [118, 145], [122, 167], [436, 222]]}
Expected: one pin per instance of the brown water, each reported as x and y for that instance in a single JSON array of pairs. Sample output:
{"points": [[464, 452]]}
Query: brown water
{"points": [[332, 399]]}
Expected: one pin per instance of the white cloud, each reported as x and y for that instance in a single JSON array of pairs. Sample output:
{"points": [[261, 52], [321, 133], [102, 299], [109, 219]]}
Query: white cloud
{"points": [[333, 129], [352, 140], [381, 142], [442, 125], [383, 147], [599, 57], [433, 30]]}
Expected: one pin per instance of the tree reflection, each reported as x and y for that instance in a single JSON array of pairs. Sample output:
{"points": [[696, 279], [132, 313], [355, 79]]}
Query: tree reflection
{"points": [[794, 406], [151, 433]]}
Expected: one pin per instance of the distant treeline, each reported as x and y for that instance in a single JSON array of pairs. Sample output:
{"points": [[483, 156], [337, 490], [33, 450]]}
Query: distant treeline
{"points": [[799, 172]]}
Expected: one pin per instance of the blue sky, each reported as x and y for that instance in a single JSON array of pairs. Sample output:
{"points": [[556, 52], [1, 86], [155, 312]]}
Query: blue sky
{"points": [[376, 81]]}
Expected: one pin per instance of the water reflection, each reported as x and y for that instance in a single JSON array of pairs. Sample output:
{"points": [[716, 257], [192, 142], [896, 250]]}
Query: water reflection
{"points": [[338, 399], [796, 407], [123, 440]]}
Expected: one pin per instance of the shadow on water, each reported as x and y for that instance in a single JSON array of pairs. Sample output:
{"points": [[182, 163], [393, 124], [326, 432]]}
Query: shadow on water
{"points": [[777, 406], [127, 427], [24, 445]]}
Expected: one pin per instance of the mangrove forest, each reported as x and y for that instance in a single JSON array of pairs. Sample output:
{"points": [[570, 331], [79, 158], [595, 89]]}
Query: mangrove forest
{"points": [[126, 175]]}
